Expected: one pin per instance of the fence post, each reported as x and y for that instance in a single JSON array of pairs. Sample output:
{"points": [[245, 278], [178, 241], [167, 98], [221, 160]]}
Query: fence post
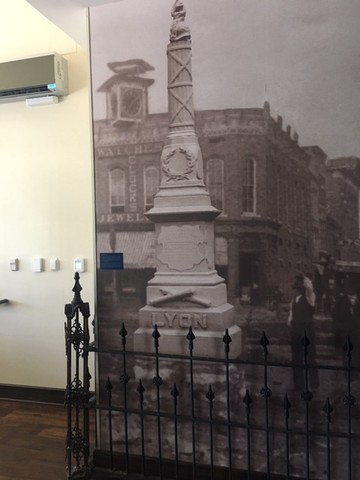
{"points": [[77, 385]]}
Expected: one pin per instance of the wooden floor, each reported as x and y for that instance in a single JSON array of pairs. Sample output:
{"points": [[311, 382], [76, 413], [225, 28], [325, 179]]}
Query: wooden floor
{"points": [[32, 441]]}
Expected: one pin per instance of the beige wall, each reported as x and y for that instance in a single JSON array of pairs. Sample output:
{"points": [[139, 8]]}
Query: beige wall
{"points": [[46, 204]]}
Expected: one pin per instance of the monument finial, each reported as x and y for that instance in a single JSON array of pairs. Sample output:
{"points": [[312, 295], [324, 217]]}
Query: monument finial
{"points": [[179, 30]]}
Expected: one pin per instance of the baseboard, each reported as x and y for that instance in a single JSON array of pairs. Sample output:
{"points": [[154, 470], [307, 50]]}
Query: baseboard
{"points": [[32, 394]]}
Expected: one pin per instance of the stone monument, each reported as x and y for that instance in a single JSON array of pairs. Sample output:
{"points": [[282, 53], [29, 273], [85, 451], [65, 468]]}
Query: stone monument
{"points": [[186, 291]]}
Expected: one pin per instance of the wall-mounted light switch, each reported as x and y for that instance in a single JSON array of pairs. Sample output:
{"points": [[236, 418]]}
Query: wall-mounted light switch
{"points": [[37, 264], [79, 265], [14, 264], [54, 264]]}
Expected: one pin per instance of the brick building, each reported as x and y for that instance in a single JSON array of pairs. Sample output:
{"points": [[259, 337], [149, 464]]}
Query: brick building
{"points": [[255, 171], [343, 193]]}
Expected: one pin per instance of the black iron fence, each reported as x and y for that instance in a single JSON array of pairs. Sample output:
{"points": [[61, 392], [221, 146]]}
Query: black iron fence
{"points": [[195, 417], [77, 394]]}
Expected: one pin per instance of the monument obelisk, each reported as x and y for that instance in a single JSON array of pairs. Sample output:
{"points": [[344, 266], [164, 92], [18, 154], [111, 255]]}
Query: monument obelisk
{"points": [[186, 291]]}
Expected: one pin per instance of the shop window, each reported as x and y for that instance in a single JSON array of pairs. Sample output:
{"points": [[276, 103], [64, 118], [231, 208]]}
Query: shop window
{"points": [[278, 195], [117, 190], [249, 278], [249, 186], [295, 203], [215, 182], [151, 186], [113, 103], [289, 205]]}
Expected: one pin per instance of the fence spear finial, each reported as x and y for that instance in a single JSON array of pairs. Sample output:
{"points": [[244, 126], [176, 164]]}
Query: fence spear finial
{"points": [[77, 300]]}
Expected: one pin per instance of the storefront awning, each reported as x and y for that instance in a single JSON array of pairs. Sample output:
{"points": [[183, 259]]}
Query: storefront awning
{"points": [[138, 247], [347, 266]]}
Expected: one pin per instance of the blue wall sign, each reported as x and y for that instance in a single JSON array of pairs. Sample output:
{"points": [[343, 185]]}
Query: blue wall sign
{"points": [[111, 261]]}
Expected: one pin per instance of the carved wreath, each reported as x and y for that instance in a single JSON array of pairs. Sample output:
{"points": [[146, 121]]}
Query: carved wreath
{"points": [[173, 175]]}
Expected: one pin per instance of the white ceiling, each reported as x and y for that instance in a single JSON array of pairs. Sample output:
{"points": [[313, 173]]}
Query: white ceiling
{"points": [[69, 15], [92, 3], [74, 3]]}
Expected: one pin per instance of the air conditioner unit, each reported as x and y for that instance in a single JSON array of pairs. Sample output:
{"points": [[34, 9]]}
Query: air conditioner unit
{"points": [[32, 77]]}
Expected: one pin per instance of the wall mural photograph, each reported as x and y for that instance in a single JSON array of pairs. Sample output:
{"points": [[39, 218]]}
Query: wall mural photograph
{"points": [[227, 176]]}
